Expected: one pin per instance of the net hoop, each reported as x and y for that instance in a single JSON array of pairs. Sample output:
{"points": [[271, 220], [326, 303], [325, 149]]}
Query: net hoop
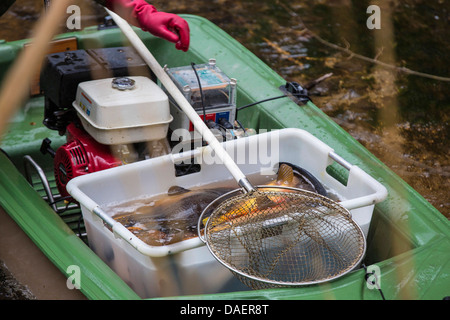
{"points": [[258, 282]]}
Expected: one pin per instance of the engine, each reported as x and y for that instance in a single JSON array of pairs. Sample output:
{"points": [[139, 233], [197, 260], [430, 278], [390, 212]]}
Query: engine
{"points": [[81, 154], [119, 121], [118, 117], [122, 116]]}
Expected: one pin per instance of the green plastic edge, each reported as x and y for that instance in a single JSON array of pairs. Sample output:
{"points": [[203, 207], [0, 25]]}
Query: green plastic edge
{"points": [[55, 238]]}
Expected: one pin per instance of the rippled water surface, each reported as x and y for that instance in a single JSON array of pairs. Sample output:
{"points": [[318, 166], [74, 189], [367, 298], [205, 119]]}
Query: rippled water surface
{"points": [[400, 117]]}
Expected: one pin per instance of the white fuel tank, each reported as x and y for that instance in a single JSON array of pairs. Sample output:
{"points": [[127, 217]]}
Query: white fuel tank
{"points": [[123, 110]]}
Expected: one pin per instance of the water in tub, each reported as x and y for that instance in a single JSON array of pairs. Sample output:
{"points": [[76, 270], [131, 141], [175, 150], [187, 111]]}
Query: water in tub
{"points": [[172, 217]]}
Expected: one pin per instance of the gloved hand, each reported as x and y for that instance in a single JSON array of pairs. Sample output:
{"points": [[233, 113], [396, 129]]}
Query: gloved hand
{"points": [[139, 13]]}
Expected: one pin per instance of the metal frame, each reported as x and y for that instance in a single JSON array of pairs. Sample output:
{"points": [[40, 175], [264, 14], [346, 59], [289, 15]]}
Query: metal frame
{"points": [[50, 198]]}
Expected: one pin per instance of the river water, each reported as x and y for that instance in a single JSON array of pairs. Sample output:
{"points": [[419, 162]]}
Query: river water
{"points": [[400, 117]]}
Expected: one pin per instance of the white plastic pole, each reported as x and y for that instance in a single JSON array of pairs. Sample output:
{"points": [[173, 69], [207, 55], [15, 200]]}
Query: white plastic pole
{"points": [[198, 123]]}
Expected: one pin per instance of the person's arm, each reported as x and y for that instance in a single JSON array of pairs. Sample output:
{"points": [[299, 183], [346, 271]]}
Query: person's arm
{"points": [[141, 14]]}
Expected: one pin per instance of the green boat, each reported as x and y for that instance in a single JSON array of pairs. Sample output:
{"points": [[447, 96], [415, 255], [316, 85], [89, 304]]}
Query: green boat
{"points": [[408, 240]]}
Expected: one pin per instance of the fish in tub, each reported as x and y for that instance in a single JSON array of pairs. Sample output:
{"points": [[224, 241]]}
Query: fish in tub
{"points": [[173, 217]]}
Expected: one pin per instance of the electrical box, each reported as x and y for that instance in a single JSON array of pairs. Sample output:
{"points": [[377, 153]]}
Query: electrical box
{"points": [[215, 95]]}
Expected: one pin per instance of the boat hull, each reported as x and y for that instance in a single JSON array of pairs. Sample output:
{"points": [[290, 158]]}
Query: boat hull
{"points": [[408, 238]]}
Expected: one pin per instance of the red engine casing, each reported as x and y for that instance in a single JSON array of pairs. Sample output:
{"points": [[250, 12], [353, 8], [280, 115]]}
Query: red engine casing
{"points": [[80, 155]]}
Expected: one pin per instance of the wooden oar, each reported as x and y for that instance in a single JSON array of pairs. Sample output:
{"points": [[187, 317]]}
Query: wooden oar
{"points": [[16, 84]]}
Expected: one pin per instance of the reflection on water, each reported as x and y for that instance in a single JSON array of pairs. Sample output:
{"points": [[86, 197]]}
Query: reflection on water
{"points": [[401, 118]]}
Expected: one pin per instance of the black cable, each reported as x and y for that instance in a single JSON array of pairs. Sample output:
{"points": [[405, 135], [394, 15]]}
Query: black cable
{"points": [[201, 91], [240, 124], [318, 186], [60, 211], [201, 95], [60, 199], [299, 95]]}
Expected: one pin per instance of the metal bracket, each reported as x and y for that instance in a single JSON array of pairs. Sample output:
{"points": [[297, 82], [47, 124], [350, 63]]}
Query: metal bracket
{"points": [[295, 92]]}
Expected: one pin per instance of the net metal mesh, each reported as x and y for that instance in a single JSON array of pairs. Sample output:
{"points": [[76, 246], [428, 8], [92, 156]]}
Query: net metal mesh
{"points": [[273, 238]]}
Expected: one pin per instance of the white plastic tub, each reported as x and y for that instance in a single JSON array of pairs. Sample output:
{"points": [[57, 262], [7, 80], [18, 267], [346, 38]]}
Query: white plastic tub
{"points": [[187, 267]]}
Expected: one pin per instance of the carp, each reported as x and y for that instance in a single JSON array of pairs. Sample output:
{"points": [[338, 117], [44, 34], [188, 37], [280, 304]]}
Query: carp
{"points": [[174, 216]]}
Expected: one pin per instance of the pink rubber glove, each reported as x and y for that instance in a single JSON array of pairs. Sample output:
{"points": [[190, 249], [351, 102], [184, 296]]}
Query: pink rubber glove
{"points": [[139, 13]]}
